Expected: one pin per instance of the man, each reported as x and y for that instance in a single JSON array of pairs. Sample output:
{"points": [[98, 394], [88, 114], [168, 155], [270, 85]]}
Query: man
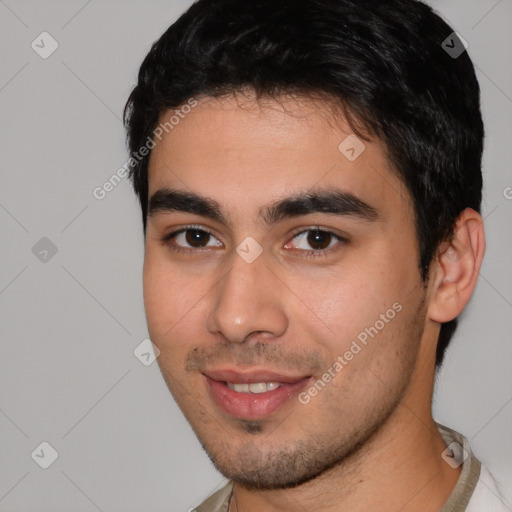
{"points": [[309, 173]]}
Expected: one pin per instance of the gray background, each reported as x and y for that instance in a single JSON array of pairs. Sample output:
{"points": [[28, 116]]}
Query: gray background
{"points": [[70, 323]]}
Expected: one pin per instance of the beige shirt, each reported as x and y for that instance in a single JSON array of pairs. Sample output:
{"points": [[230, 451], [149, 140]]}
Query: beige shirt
{"points": [[476, 489]]}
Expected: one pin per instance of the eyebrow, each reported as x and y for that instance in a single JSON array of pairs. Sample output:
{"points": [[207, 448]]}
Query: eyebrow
{"points": [[334, 201]]}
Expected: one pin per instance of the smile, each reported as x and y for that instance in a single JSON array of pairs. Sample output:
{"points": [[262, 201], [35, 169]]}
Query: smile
{"points": [[252, 395], [256, 387]]}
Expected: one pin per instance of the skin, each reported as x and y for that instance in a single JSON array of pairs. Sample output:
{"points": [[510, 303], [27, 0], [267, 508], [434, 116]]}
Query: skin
{"points": [[371, 426]]}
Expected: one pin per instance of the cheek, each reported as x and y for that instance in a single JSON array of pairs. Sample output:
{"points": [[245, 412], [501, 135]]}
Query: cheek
{"points": [[364, 315], [174, 302], [371, 368], [166, 295], [339, 303], [157, 294]]}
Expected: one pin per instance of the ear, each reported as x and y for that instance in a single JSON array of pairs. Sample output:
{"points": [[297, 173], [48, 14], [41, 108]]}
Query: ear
{"points": [[457, 266]]}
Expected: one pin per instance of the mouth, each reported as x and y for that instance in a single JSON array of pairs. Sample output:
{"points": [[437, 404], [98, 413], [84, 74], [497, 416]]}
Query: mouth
{"points": [[252, 395]]}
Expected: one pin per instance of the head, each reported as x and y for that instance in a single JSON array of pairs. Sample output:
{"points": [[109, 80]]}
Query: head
{"points": [[339, 129]]}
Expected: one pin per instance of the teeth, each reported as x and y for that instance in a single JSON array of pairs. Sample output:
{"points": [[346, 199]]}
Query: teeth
{"points": [[240, 388], [258, 387], [255, 387]]}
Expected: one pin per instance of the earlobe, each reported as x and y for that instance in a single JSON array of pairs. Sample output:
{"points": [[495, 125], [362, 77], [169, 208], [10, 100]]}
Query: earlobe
{"points": [[457, 267]]}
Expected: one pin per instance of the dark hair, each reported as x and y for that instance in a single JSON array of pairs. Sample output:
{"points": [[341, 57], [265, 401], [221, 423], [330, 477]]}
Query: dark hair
{"points": [[387, 63]]}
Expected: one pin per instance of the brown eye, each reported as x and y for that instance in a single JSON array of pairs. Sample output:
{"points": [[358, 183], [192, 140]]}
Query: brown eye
{"points": [[190, 239], [315, 240], [197, 237], [319, 239]]}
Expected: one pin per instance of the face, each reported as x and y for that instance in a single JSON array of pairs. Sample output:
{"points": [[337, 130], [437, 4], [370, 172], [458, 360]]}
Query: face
{"points": [[281, 285]]}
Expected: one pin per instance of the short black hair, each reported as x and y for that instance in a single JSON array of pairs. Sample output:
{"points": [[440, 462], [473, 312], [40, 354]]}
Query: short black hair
{"points": [[385, 62]]}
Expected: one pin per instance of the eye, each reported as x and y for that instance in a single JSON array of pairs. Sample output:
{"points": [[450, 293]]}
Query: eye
{"points": [[314, 240], [311, 241], [191, 238]]}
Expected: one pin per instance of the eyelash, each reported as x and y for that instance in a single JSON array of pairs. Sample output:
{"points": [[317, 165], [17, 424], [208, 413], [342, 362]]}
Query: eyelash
{"points": [[166, 240]]}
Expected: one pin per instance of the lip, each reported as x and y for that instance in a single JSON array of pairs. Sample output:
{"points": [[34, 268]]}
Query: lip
{"points": [[252, 406]]}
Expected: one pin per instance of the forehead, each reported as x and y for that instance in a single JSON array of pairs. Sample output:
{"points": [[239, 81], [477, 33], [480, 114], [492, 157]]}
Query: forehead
{"points": [[244, 151]]}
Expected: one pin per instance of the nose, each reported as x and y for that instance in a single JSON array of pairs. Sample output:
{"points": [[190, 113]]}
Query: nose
{"points": [[247, 301]]}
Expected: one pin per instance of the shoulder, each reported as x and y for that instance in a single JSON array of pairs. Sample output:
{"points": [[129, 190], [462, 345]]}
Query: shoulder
{"points": [[477, 489], [489, 494]]}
